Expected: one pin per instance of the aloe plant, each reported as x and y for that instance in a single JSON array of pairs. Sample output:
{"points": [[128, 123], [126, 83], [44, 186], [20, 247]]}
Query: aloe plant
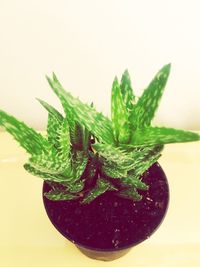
{"points": [[84, 153]]}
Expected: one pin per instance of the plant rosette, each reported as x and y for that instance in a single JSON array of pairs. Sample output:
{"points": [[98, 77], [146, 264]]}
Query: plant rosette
{"points": [[103, 187]]}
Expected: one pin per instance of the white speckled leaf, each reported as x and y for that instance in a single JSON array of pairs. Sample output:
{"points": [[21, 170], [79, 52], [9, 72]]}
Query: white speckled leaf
{"points": [[28, 138], [63, 137], [99, 125], [161, 135], [51, 110], [134, 182], [49, 163], [147, 104], [79, 163], [59, 195], [76, 187], [55, 120], [52, 130], [101, 187], [114, 155], [130, 193], [120, 115], [127, 91], [45, 176]]}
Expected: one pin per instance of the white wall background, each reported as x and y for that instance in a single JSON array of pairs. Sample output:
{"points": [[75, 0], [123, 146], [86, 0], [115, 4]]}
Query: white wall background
{"points": [[88, 42]]}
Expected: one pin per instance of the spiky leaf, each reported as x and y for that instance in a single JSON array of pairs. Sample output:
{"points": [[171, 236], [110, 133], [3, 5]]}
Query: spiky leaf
{"points": [[59, 195], [45, 176], [160, 135], [29, 139], [143, 154], [147, 104], [52, 130], [49, 163], [113, 170], [140, 160], [135, 182], [127, 91], [55, 162], [120, 115], [63, 137], [101, 187], [51, 110], [113, 155], [86, 139], [79, 163], [54, 121], [130, 193], [83, 113], [90, 171], [144, 159], [76, 187], [76, 135]]}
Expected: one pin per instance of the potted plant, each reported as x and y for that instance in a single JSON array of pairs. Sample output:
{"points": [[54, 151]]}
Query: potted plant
{"points": [[103, 188]]}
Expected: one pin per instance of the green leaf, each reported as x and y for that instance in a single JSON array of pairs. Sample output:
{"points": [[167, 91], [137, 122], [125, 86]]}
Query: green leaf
{"points": [[76, 187], [135, 182], [63, 138], [59, 195], [28, 138], [160, 135], [143, 158], [79, 163], [55, 119], [143, 153], [117, 161], [101, 187], [130, 193], [120, 115], [45, 176], [51, 110], [113, 170], [56, 161], [143, 166], [86, 139], [56, 185], [145, 109], [127, 91], [91, 168], [83, 113], [140, 159], [76, 135], [52, 130], [49, 163], [113, 154]]}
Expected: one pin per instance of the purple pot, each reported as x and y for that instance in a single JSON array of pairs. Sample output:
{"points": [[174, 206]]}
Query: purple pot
{"points": [[110, 226]]}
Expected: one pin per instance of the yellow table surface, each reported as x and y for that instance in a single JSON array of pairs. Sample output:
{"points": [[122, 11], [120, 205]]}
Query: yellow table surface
{"points": [[27, 238]]}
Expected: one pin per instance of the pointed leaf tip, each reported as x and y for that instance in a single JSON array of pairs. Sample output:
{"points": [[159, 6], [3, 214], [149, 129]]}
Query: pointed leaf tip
{"points": [[150, 99], [49, 80], [80, 112], [55, 77], [169, 65], [47, 77], [116, 81], [166, 68], [126, 73]]}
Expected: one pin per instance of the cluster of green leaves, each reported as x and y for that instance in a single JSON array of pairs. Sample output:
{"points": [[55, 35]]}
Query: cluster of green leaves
{"points": [[85, 154]]}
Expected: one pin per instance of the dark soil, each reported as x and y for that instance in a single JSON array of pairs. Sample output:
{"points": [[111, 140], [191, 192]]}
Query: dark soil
{"points": [[111, 221]]}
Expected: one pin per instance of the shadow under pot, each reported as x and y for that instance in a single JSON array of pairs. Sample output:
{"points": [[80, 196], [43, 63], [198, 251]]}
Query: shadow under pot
{"points": [[110, 226]]}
